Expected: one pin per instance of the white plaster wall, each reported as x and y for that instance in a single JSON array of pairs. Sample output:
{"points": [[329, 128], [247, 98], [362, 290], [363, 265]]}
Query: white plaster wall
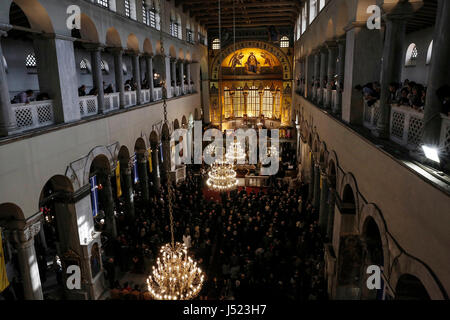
{"points": [[416, 213], [27, 164]]}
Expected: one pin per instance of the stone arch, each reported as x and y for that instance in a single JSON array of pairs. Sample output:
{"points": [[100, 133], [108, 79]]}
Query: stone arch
{"points": [[113, 38], [154, 140], [140, 145], [316, 146], [133, 43], [181, 54], [148, 49], [158, 48], [184, 122], [36, 14], [405, 264], [57, 183], [10, 212], [330, 33], [124, 155], [165, 132], [95, 154], [88, 29], [323, 154], [371, 211], [176, 124], [350, 181], [188, 56], [332, 162], [172, 52]]}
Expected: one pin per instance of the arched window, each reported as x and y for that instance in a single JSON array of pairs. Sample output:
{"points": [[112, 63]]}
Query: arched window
{"points": [[253, 102], [312, 10], [180, 30], [5, 64], [321, 4], [227, 102], [127, 8], [85, 66], [216, 44], [267, 106], [304, 22], [430, 52], [173, 25], [103, 3], [238, 103], [145, 13], [284, 43], [411, 55], [30, 61], [105, 67]]}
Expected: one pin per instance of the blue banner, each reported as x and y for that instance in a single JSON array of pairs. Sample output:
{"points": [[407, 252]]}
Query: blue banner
{"points": [[94, 195]]}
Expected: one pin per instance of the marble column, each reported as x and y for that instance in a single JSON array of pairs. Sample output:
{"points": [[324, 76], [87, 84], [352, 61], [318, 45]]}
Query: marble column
{"points": [[332, 50], [188, 75], [27, 260], [316, 195], [137, 76], [311, 178], [174, 76], [438, 76], [323, 212], [127, 187], [149, 67], [316, 81], [108, 203], [7, 118], [392, 62], [143, 175], [167, 76], [181, 71], [154, 175], [97, 75], [323, 73], [118, 72], [331, 207], [340, 76], [361, 45], [56, 73]]}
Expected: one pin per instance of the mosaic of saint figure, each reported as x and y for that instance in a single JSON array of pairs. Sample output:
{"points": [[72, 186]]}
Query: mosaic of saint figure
{"points": [[267, 59], [252, 63], [236, 60]]}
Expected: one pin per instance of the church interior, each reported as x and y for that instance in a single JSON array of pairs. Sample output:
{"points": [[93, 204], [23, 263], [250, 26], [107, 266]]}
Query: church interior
{"points": [[290, 150]]}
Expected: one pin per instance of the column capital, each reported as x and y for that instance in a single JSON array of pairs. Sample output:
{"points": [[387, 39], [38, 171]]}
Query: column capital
{"points": [[115, 50], [93, 47], [4, 28], [23, 237], [402, 10]]}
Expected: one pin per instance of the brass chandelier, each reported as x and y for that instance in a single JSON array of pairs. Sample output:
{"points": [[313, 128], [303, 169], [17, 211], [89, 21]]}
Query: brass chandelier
{"points": [[176, 275]]}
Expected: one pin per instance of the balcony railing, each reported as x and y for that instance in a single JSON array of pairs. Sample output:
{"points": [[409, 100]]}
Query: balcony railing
{"points": [[158, 93], [112, 101], [406, 126], [88, 106], [33, 115], [145, 96], [445, 135], [130, 99], [371, 114]]}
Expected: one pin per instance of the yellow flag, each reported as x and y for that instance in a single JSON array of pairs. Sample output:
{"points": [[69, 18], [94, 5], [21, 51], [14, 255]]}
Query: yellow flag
{"points": [[150, 159], [4, 283], [119, 189]]}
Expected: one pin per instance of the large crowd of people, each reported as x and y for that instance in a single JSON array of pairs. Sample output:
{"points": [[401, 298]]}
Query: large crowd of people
{"points": [[408, 93], [264, 244]]}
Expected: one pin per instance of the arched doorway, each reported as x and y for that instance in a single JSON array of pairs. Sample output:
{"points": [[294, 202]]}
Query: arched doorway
{"points": [[410, 287]]}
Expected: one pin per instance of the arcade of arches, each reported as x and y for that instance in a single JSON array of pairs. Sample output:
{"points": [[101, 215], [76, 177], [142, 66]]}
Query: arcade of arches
{"points": [[86, 147]]}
